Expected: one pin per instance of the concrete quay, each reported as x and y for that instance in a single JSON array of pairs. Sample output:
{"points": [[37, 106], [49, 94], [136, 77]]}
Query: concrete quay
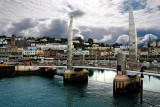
{"points": [[34, 70]]}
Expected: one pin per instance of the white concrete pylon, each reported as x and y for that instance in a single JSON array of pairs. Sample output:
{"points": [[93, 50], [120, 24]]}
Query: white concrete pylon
{"points": [[70, 45], [132, 37]]}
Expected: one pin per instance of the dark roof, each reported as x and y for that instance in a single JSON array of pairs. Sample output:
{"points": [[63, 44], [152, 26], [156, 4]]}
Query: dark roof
{"points": [[22, 42]]}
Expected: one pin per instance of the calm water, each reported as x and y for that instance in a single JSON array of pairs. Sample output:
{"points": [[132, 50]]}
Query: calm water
{"points": [[37, 91]]}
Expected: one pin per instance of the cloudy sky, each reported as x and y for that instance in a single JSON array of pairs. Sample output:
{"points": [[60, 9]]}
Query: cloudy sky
{"points": [[103, 20]]}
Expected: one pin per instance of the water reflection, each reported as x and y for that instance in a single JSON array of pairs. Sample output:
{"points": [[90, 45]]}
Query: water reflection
{"points": [[103, 76], [90, 72], [151, 83], [102, 71], [150, 86]]}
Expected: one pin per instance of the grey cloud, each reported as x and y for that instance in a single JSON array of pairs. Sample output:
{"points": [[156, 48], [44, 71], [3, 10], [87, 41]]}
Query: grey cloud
{"points": [[70, 6], [75, 31], [3, 26], [76, 13], [58, 28], [27, 27], [43, 19], [98, 33], [23, 25]]}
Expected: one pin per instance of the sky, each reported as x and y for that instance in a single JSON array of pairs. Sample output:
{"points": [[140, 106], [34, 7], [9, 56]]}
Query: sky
{"points": [[104, 21]]}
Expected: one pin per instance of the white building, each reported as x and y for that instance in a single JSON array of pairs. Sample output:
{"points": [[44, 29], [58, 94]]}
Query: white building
{"points": [[123, 49], [2, 39], [86, 43], [105, 53], [85, 52], [30, 52], [43, 39], [20, 38], [57, 39], [52, 46], [100, 48], [3, 43], [144, 53], [81, 52], [156, 51], [154, 44], [76, 41], [33, 44]]}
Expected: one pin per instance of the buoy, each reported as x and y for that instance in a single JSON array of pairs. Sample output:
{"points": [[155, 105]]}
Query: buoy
{"points": [[9, 83]]}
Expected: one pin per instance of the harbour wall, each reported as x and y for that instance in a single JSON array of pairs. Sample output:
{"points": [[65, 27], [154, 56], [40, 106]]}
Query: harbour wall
{"points": [[7, 71]]}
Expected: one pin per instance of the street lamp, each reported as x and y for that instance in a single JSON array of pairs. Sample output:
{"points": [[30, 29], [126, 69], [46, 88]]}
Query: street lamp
{"points": [[141, 97]]}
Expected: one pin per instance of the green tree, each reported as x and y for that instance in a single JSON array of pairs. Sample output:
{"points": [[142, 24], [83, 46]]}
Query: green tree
{"points": [[116, 44], [80, 40], [51, 40], [90, 41], [64, 40], [107, 45], [102, 44], [2, 36]]}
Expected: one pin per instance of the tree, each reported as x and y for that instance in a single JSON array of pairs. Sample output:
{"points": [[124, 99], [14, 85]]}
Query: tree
{"points": [[48, 38], [90, 41], [51, 40], [102, 44], [80, 40], [64, 40], [2, 36], [107, 45], [116, 44]]}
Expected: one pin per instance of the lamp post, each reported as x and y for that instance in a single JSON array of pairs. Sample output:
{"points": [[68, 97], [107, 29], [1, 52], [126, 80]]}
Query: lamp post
{"points": [[96, 56], [141, 97]]}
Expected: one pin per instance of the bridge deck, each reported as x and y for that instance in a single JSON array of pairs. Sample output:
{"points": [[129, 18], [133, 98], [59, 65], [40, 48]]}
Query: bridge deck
{"points": [[129, 72]]}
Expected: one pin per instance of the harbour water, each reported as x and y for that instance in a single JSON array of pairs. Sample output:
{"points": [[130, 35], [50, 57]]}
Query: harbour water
{"points": [[39, 91]]}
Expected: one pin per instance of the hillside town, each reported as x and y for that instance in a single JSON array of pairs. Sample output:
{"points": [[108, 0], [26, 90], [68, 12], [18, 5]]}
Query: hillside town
{"points": [[45, 50], [87, 53]]}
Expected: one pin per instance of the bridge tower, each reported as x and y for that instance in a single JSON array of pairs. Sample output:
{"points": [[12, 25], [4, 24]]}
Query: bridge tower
{"points": [[132, 40], [78, 75], [124, 83]]}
